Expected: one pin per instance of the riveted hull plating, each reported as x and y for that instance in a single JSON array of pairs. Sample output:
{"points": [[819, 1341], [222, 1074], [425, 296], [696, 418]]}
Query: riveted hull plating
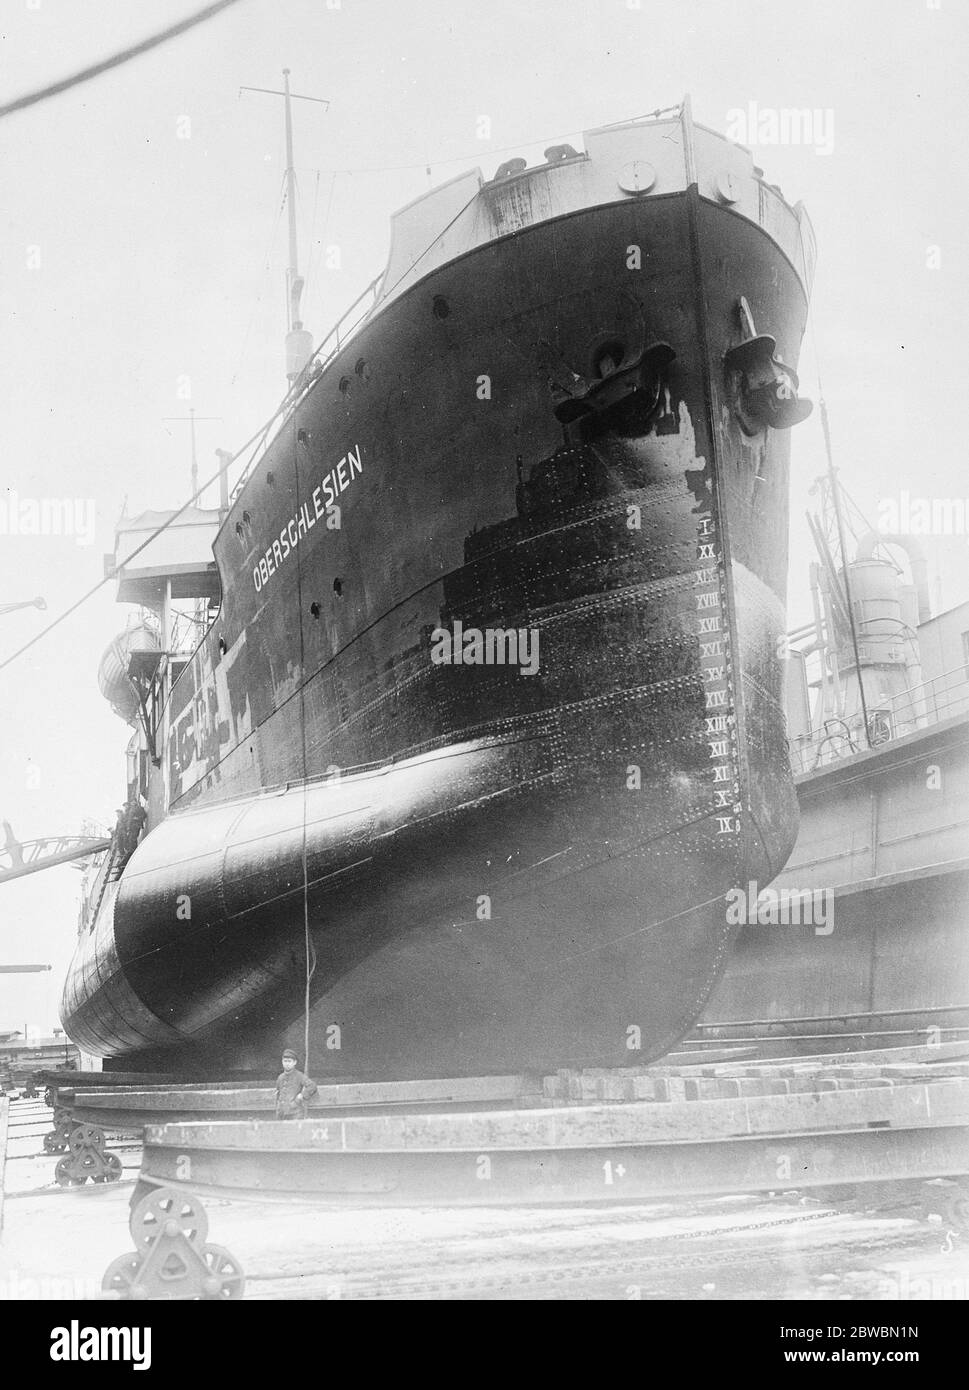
{"points": [[502, 869]]}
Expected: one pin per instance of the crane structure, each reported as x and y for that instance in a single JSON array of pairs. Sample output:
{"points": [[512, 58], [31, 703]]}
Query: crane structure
{"points": [[17, 859], [37, 602], [30, 857]]}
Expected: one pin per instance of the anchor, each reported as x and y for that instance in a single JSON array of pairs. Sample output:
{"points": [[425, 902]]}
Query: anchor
{"points": [[617, 378], [172, 1259], [765, 387]]}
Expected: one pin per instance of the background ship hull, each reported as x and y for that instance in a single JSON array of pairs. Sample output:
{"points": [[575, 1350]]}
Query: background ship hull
{"points": [[592, 805], [888, 863]]}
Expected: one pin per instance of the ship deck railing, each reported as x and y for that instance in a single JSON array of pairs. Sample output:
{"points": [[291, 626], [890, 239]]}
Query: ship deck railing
{"points": [[921, 706], [366, 302], [349, 323]]}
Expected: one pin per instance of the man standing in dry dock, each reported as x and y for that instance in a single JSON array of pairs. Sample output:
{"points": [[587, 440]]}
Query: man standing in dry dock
{"points": [[293, 1089]]}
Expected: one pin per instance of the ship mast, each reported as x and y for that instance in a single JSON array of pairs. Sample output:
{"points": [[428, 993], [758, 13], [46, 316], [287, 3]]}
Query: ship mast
{"points": [[299, 342], [191, 417], [195, 462], [294, 282]]}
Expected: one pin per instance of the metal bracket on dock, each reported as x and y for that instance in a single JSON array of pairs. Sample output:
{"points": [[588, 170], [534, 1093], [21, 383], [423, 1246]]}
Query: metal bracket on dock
{"points": [[171, 1259]]}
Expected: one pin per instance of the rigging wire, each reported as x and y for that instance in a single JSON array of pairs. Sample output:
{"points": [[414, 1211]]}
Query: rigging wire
{"points": [[89, 593], [478, 154], [309, 950], [264, 264], [291, 397], [309, 255], [389, 289], [836, 501], [124, 55], [295, 392], [320, 243], [845, 566], [292, 394], [312, 254]]}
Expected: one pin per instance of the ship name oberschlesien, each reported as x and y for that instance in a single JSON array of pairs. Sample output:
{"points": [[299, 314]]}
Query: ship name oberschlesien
{"points": [[336, 481]]}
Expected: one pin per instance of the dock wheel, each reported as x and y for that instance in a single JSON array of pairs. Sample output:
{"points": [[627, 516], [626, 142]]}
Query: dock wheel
{"points": [[54, 1143], [113, 1169], [64, 1173], [225, 1279], [121, 1276], [140, 1191], [161, 1208], [87, 1137]]}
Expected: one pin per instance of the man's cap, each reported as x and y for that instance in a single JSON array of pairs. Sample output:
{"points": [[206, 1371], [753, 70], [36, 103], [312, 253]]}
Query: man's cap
{"points": [[290, 1053]]}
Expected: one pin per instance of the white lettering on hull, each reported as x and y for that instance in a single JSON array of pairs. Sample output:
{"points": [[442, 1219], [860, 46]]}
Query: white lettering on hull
{"points": [[322, 499]]}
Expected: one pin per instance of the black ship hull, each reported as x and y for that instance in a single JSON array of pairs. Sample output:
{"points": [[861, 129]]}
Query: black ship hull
{"points": [[483, 868]]}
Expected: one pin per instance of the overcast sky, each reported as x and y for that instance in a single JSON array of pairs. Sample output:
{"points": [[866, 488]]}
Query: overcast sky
{"points": [[141, 247]]}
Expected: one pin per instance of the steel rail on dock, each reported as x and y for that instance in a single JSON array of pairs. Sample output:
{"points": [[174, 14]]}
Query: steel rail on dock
{"points": [[690, 1136], [630, 1134], [626, 1134], [892, 1122]]}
